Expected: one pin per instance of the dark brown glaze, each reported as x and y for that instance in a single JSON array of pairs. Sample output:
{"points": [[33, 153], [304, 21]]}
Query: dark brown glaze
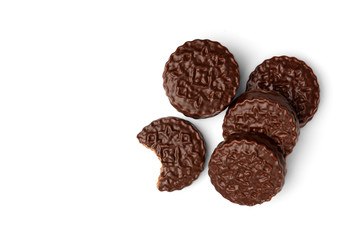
{"points": [[180, 148], [266, 112], [292, 78], [201, 78], [247, 169]]}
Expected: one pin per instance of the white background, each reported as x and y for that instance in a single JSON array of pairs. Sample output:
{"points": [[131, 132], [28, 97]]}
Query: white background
{"points": [[80, 79]]}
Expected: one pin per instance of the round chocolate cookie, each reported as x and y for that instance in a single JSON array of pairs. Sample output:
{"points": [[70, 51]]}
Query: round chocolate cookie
{"points": [[293, 79], [266, 112], [201, 78], [247, 169], [180, 148]]}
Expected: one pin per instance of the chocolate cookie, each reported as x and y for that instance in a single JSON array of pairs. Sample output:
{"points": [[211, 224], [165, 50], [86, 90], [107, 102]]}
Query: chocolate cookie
{"points": [[180, 148], [201, 78], [266, 112], [293, 79], [247, 169]]}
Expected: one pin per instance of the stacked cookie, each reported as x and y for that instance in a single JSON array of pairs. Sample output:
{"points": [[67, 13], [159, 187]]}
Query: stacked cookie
{"points": [[260, 128]]}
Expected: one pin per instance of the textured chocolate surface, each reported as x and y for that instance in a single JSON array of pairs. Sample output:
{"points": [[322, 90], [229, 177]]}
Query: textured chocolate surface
{"points": [[292, 78], [266, 112], [180, 148], [201, 78], [247, 169]]}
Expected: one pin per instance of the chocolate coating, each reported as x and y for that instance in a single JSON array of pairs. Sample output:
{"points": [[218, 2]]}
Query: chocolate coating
{"points": [[266, 112], [180, 148], [201, 78], [247, 169], [292, 78]]}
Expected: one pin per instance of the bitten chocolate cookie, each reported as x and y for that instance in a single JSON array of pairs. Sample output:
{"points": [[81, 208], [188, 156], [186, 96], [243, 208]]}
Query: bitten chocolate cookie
{"points": [[293, 79], [247, 169], [201, 78], [180, 148], [266, 112]]}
